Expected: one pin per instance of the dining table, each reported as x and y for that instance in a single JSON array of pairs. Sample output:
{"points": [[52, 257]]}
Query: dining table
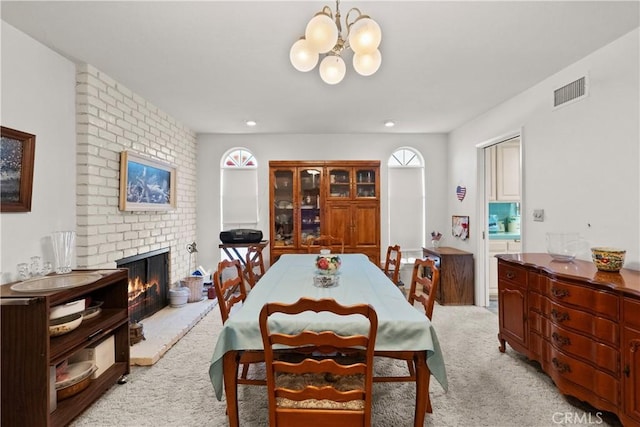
{"points": [[401, 327]]}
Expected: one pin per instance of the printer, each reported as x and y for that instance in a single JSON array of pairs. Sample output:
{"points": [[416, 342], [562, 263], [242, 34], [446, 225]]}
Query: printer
{"points": [[241, 235]]}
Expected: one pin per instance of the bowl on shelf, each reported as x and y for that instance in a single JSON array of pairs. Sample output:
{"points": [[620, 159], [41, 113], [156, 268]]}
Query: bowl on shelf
{"points": [[608, 259], [63, 325], [76, 377]]}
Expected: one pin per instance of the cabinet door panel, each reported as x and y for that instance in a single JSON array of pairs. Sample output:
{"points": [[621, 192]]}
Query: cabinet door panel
{"points": [[508, 171], [631, 369], [512, 312], [338, 218], [366, 225]]}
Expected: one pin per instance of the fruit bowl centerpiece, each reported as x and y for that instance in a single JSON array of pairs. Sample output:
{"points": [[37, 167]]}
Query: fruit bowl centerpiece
{"points": [[328, 264]]}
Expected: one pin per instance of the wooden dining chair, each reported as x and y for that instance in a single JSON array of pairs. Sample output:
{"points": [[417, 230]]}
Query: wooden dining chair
{"points": [[425, 280], [254, 265], [316, 388], [316, 243], [229, 285], [391, 265]]}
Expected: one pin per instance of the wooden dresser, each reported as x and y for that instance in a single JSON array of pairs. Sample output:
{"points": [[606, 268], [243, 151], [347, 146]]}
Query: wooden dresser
{"points": [[456, 275], [582, 325]]}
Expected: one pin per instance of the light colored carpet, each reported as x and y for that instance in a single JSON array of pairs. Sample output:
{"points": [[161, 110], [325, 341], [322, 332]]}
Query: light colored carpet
{"points": [[486, 387]]}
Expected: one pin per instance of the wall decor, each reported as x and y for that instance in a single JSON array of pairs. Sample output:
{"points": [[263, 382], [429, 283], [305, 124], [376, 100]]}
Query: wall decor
{"points": [[460, 227], [146, 184], [17, 153], [461, 191]]}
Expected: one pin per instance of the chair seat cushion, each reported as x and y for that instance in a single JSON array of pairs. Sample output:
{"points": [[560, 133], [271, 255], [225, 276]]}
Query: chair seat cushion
{"points": [[300, 381]]}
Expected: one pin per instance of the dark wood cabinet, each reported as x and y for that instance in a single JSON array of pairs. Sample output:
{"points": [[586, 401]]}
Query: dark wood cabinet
{"points": [[456, 275], [29, 354], [580, 324], [631, 358], [313, 198]]}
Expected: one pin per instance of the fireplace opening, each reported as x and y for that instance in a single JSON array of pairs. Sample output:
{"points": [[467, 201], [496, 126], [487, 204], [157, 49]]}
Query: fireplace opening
{"points": [[148, 283]]}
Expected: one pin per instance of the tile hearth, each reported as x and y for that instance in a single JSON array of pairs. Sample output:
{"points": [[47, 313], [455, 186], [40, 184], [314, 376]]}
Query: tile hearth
{"points": [[164, 328]]}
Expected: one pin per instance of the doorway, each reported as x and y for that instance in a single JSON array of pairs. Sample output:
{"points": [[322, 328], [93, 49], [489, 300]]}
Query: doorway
{"points": [[501, 207]]}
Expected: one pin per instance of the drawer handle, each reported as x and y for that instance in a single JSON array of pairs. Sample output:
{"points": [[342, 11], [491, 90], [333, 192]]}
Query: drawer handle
{"points": [[561, 367], [559, 316], [510, 275], [559, 293], [560, 340]]}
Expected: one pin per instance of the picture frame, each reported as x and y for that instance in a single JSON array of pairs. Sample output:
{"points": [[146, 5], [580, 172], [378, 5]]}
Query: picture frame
{"points": [[460, 227], [146, 184], [17, 154]]}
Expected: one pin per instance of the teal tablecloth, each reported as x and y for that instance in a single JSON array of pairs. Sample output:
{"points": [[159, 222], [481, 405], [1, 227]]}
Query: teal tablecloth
{"points": [[400, 326]]}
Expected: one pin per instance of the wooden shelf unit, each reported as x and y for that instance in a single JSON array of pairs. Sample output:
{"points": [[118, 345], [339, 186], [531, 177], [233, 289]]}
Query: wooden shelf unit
{"points": [[28, 353], [338, 198]]}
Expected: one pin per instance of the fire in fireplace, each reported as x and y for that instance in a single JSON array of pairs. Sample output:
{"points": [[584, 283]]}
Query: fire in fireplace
{"points": [[148, 283]]}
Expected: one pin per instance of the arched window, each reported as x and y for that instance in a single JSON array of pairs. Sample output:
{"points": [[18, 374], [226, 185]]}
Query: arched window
{"points": [[407, 201], [239, 189], [239, 158]]}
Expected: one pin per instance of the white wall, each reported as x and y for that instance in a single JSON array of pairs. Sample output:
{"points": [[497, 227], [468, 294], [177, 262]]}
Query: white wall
{"points": [[38, 97], [311, 147], [581, 162]]}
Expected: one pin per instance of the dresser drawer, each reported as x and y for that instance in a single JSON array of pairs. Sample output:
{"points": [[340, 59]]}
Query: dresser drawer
{"points": [[562, 365], [602, 355], [631, 310], [603, 303], [600, 328], [516, 275]]}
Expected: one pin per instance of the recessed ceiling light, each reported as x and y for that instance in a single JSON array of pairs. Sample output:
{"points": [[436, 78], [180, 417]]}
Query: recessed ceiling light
{"points": [[389, 123], [251, 123]]}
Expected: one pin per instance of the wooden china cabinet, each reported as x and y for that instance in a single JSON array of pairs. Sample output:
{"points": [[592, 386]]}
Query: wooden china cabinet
{"points": [[313, 198], [582, 325]]}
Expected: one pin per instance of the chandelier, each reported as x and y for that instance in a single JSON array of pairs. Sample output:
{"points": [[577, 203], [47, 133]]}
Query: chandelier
{"points": [[323, 36]]}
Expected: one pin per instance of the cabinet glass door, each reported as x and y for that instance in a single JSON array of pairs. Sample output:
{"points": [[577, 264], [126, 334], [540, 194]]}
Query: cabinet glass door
{"points": [[283, 208], [309, 190], [366, 183], [339, 183]]}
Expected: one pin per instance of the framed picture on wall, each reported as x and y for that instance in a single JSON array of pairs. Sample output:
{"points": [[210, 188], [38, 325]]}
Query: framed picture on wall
{"points": [[17, 153], [460, 227], [146, 184]]}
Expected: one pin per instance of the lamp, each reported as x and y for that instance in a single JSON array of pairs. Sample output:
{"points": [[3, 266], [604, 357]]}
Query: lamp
{"points": [[323, 36]]}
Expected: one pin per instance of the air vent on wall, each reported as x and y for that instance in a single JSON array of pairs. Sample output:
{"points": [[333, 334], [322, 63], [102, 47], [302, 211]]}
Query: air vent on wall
{"points": [[571, 92]]}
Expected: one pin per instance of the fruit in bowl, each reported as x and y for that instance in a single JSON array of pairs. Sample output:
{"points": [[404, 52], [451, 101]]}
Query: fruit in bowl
{"points": [[608, 259], [328, 264]]}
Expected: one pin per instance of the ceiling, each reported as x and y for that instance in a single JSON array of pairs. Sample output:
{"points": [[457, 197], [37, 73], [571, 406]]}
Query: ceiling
{"points": [[215, 64]]}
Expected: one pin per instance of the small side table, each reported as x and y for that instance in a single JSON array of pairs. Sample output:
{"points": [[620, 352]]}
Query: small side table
{"points": [[231, 249], [456, 275]]}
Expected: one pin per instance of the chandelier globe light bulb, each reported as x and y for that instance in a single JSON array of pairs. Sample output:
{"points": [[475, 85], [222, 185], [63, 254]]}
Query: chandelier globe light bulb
{"points": [[321, 33], [302, 56], [367, 64], [332, 69], [365, 35]]}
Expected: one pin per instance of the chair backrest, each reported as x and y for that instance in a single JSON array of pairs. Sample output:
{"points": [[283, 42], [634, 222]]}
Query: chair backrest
{"points": [[254, 264], [297, 389], [228, 282], [334, 244], [426, 274], [392, 263]]}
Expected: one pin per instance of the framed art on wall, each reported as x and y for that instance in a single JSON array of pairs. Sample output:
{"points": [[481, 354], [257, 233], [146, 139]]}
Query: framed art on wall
{"points": [[146, 184], [17, 153], [460, 226]]}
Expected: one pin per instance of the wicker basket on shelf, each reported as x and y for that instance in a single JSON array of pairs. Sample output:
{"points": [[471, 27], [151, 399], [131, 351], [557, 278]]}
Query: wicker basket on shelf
{"points": [[195, 285]]}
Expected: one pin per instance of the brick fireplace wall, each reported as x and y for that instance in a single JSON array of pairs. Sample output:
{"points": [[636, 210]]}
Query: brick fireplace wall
{"points": [[111, 118]]}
